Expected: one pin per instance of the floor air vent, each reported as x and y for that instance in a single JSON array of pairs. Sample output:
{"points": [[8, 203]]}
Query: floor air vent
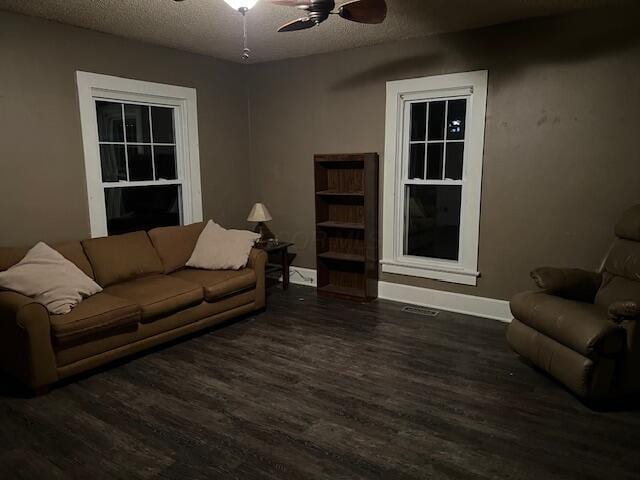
{"points": [[424, 311]]}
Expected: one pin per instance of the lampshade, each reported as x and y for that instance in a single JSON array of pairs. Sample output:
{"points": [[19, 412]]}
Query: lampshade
{"points": [[259, 213], [238, 4]]}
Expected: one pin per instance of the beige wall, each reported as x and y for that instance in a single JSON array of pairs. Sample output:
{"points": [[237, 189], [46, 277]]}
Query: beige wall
{"points": [[561, 153], [561, 158], [42, 184]]}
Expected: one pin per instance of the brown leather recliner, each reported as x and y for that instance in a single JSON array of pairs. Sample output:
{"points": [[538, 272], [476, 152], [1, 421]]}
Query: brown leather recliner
{"points": [[583, 327]]}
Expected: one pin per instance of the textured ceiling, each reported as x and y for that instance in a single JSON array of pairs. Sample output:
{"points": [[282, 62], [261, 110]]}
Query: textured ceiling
{"points": [[212, 28]]}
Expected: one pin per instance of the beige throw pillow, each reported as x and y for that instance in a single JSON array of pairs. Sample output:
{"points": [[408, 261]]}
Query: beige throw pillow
{"points": [[50, 279], [221, 249]]}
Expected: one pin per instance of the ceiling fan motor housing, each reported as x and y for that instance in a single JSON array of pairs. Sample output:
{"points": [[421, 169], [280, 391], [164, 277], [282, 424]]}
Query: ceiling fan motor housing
{"points": [[319, 10]]}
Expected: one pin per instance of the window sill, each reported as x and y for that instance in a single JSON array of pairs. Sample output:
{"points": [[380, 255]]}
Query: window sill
{"points": [[442, 273]]}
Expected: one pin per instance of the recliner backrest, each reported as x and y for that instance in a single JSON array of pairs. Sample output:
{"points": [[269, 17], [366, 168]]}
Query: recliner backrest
{"points": [[621, 271]]}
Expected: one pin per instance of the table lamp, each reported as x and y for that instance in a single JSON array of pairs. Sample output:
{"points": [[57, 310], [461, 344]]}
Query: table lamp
{"points": [[260, 215]]}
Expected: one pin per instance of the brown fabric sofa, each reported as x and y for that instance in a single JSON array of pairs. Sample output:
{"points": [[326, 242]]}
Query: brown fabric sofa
{"points": [[582, 327], [149, 298]]}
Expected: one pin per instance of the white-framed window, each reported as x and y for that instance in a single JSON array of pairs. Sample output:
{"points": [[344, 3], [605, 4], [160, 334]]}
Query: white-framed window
{"points": [[432, 176], [141, 153]]}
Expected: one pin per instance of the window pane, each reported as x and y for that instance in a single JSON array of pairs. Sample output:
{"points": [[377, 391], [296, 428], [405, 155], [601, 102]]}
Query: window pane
{"points": [[456, 119], [432, 217], [416, 161], [136, 120], [165, 158], [140, 167], [109, 122], [436, 120], [455, 156], [435, 151], [418, 121], [162, 122], [142, 208], [113, 163]]}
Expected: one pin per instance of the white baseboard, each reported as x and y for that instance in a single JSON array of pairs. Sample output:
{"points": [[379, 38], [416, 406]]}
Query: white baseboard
{"points": [[451, 302], [426, 297], [302, 276]]}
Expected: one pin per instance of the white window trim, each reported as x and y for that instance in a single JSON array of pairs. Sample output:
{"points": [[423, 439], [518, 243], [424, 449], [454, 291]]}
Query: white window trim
{"points": [[465, 270], [93, 85]]}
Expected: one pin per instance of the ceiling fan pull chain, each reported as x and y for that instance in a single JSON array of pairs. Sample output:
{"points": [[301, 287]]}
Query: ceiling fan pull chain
{"points": [[245, 52]]}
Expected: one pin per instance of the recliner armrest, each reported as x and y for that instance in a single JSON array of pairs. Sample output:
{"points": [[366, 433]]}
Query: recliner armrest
{"points": [[624, 310], [26, 351], [571, 283]]}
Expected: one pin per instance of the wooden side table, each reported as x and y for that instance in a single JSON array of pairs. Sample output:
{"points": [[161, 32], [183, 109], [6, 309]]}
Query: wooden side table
{"points": [[282, 250]]}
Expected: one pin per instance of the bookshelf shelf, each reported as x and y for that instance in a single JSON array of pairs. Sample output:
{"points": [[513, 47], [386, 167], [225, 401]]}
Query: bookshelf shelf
{"points": [[350, 257], [332, 193], [343, 225]]}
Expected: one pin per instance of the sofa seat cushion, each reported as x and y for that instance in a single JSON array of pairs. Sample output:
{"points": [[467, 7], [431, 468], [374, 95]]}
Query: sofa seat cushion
{"points": [[218, 284], [583, 327], [98, 314], [158, 295]]}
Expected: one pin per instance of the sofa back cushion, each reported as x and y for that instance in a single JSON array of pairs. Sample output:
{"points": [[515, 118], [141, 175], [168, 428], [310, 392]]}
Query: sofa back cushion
{"points": [[9, 256], [72, 251], [175, 244], [119, 258]]}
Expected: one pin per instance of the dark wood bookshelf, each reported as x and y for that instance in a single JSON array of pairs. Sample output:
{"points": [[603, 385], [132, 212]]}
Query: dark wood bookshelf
{"points": [[346, 188]]}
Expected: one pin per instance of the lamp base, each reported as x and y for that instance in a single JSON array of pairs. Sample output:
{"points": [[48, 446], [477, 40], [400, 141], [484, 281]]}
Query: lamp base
{"points": [[263, 230]]}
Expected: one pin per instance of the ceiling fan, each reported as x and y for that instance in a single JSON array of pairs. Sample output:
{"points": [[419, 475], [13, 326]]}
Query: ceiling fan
{"points": [[361, 11]]}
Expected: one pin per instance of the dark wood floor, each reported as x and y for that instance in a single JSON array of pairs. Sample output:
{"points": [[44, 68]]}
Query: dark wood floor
{"points": [[319, 389]]}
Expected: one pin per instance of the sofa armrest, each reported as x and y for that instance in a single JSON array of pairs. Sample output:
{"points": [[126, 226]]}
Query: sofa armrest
{"points": [[624, 310], [258, 262], [26, 351], [570, 283]]}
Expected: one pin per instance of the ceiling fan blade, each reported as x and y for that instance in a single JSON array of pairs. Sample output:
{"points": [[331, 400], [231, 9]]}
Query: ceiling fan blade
{"points": [[300, 24], [292, 3], [364, 11]]}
